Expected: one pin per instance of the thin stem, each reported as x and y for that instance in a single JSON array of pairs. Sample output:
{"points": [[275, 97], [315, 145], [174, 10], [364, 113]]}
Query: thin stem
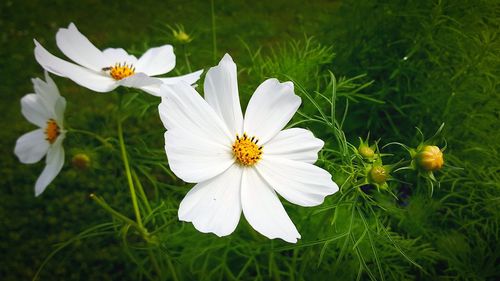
{"points": [[128, 173], [214, 41], [172, 269], [118, 215], [184, 50], [92, 134], [155, 263], [141, 192]]}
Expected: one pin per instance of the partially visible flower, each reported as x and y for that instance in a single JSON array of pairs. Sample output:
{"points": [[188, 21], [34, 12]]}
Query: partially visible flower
{"points": [[430, 158], [103, 71], [44, 109], [240, 163]]}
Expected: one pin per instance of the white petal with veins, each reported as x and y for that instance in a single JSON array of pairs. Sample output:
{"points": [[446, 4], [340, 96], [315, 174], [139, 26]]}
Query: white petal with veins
{"points": [[214, 205], [95, 81], [270, 108], [263, 210], [79, 49], [221, 93], [156, 61], [31, 147]]}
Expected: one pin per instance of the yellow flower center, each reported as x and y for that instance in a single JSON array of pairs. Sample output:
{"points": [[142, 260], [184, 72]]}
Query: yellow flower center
{"points": [[120, 71], [430, 158], [51, 131], [246, 150]]}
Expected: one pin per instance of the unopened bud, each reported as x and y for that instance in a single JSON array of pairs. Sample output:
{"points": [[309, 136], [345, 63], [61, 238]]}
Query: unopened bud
{"points": [[366, 151], [183, 37], [379, 174], [430, 158], [81, 161]]}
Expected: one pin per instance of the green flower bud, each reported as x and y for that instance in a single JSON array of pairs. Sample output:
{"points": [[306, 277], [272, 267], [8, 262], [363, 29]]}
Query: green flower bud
{"points": [[378, 174], [80, 161], [430, 158], [366, 151]]}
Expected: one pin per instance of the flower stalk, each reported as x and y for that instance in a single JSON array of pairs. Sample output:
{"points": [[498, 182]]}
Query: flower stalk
{"points": [[128, 173]]}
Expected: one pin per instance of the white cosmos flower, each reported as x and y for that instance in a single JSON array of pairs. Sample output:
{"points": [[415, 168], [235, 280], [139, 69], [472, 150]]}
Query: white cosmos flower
{"points": [[45, 109], [103, 71], [240, 163]]}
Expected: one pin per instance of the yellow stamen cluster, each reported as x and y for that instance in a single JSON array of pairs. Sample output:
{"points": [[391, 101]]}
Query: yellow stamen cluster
{"points": [[120, 71], [246, 150], [51, 131], [430, 158]]}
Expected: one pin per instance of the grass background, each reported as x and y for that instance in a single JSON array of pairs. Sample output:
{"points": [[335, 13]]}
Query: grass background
{"points": [[430, 62]]}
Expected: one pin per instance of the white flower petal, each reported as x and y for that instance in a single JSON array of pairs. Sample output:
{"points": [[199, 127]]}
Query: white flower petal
{"points": [[79, 49], [139, 80], [157, 61], [82, 76], [221, 92], [50, 98], [300, 183], [54, 164], [295, 144], [59, 109], [263, 210], [34, 110], [271, 107], [118, 55], [214, 205], [47, 91], [194, 158], [31, 147], [190, 78], [182, 107]]}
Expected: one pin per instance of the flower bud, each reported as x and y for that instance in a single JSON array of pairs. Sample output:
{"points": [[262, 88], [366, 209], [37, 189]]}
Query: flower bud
{"points": [[81, 161], [180, 34], [182, 37], [366, 151], [378, 174], [430, 158]]}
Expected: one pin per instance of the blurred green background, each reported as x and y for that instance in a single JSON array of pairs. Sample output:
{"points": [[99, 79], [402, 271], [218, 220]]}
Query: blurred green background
{"points": [[430, 62]]}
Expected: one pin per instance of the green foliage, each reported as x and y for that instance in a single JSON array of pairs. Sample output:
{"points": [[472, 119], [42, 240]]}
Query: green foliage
{"points": [[394, 65]]}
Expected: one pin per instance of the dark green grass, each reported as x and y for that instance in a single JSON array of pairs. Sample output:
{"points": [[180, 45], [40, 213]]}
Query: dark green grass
{"points": [[450, 75]]}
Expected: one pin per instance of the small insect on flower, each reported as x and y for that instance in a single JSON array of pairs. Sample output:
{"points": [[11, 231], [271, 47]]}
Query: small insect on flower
{"points": [[240, 163], [44, 109], [103, 71]]}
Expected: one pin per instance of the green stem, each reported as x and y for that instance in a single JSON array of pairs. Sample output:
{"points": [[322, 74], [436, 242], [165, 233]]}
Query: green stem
{"points": [[172, 269], [186, 57], [141, 192], [92, 134], [118, 215], [155, 263], [214, 41], [129, 174]]}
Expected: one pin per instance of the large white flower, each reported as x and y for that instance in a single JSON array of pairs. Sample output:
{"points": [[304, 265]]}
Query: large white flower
{"points": [[103, 71], [45, 109], [240, 163]]}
